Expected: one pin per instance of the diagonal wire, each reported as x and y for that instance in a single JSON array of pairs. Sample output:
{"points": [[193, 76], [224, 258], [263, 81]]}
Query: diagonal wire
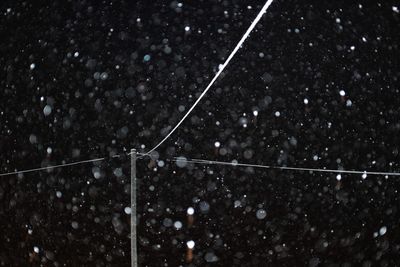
{"points": [[221, 69], [211, 162]]}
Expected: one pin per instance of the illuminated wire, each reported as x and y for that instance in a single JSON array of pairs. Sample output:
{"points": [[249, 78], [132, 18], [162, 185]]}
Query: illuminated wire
{"points": [[210, 162], [56, 166], [213, 162], [221, 69]]}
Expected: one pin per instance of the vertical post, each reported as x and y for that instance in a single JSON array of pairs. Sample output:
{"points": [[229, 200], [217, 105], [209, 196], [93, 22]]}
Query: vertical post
{"points": [[134, 258]]}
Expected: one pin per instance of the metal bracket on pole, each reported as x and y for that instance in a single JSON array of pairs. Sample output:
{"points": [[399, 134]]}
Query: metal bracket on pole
{"points": [[134, 255]]}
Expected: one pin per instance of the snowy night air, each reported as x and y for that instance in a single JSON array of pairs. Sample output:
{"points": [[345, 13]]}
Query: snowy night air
{"points": [[199, 133]]}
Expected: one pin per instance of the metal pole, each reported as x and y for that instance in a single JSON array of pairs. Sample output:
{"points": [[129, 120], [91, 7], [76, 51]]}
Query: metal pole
{"points": [[134, 258]]}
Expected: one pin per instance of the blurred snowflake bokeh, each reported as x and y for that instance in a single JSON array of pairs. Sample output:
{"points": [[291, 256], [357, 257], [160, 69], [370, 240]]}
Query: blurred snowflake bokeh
{"points": [[315, 85]]}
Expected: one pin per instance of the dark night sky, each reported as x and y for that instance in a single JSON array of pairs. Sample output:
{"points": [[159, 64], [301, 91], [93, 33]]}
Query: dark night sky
{"points": [[315, 85]]}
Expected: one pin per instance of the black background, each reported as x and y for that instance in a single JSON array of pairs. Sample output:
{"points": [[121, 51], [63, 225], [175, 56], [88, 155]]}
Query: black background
{"points": [[110, 98]]}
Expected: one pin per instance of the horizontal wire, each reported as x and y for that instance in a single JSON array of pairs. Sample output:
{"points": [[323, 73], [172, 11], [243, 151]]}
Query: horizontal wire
{"points": [[142, 155], [69, 164], [58, 166], [207, 162], [214, 162], [51, 167]]}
